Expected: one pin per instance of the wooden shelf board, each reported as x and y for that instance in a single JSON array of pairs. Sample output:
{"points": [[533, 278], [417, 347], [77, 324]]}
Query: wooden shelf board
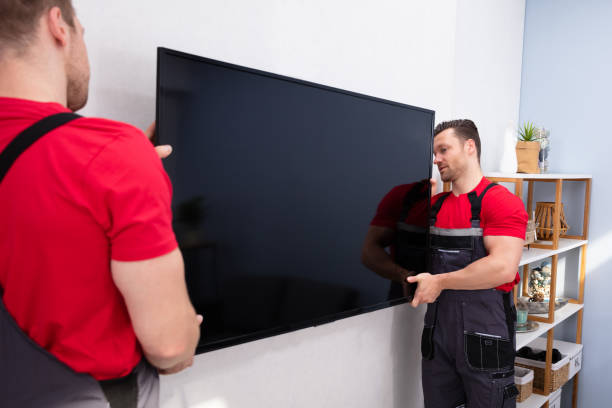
{"points": [[537, 254], [523, 339], [545, 176], [534, 401]]}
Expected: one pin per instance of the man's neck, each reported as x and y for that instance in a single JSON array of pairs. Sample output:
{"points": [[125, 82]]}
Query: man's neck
{"points": [[467, 181], [32, 79]]}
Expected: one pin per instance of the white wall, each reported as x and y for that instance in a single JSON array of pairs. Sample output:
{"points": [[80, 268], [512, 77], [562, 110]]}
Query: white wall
{"points": [[433, 54], [487, 81]]}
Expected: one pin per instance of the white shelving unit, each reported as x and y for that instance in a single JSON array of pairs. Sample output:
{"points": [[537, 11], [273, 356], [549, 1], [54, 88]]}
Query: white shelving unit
{"points": [[561, 243], [563, 313]]}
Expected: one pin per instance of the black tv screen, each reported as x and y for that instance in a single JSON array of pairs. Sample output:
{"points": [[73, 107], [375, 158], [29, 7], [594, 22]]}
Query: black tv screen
{"points": [[275, 182]]}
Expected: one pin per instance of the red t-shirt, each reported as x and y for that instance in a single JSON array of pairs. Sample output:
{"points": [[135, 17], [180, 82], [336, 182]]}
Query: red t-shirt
{"points": [[502, 213], [88, 192]]}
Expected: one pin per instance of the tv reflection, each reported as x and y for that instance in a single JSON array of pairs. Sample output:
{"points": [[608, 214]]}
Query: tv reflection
{"points": [[395, 245], [241, 298]]}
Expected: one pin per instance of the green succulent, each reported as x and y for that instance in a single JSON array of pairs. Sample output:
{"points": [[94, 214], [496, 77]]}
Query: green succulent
{"points": [[527, 133]]}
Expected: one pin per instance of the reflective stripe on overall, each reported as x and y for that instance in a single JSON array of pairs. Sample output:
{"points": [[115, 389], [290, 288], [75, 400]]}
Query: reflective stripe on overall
{"points": [[468, 337], [30, 376]]}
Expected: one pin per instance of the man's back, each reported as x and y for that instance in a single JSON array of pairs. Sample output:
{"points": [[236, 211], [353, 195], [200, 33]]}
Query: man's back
{"points": [[88, 192]]}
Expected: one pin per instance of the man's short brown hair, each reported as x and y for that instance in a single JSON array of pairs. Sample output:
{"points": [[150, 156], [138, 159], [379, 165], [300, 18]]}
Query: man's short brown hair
{"points": [[19, 20], [464, 129]]}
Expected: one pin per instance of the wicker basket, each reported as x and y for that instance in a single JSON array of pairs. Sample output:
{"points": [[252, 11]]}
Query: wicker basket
{"points": [[559, 373], [523, 379], [544, 214]]}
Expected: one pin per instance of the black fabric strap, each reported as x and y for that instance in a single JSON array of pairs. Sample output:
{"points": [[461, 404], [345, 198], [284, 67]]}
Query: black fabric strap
{"points": [[121, 392], [435, 209], [29, 136], [476, 201]]}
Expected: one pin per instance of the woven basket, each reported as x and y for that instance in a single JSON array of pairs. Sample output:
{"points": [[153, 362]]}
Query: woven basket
{"points": [[523, 379], [557, 379], [525, 391], [544, 214]]}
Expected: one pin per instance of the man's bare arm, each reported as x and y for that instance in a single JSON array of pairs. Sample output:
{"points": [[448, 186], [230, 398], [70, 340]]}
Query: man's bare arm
{"points": [[495, 269], [156, 297]]}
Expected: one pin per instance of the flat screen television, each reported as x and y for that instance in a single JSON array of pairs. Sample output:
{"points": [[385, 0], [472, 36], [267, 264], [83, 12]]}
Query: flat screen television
{"points": [[275, 182]]}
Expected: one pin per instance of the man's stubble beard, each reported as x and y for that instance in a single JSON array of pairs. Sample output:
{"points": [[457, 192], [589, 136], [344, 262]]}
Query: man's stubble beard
{"points": [[77, 78], [448, 176], [77, 91]]}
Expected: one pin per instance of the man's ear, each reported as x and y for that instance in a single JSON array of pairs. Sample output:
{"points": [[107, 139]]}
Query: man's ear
{"points": [[470, 145], [58, 28]]}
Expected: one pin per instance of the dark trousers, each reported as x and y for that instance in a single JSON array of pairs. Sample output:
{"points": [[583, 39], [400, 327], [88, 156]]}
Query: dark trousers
{"points": [[473, 351], [31, 377]]}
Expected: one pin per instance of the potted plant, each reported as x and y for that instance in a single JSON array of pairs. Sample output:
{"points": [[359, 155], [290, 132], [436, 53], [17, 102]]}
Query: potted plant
{"points": [[527, 149]]}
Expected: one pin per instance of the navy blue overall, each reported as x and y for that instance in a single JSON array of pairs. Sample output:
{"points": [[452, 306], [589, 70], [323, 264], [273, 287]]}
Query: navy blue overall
{"points": [[30, 376], [468, 337]]}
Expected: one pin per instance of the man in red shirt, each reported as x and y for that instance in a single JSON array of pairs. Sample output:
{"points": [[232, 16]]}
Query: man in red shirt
{"points": [[91, 279], [476, 238]]}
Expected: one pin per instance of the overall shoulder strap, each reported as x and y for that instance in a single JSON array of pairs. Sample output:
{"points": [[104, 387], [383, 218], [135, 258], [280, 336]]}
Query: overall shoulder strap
{"points": [[29, 136], [476, 201], [435, 209]]}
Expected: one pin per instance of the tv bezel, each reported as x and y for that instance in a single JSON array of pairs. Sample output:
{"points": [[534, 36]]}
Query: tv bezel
{"points": [[287, 328]]}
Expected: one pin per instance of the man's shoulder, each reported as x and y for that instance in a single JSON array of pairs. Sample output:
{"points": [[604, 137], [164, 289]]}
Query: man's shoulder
{"points": [[118, 139], [29, 112], [111, 147], [106, 127], [500, 198], [499, 192]]}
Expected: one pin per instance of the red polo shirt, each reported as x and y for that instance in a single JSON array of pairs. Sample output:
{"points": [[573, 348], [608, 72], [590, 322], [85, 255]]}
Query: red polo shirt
{"points": [[88, 192]]}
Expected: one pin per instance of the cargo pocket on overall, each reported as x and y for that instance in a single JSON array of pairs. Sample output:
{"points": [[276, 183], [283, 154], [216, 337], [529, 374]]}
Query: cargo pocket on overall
{"points": [[486, 343], [487, 352], [505, 390], [509, 394], [449, 260]]}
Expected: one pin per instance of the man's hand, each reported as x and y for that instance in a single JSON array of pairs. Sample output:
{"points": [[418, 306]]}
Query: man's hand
{"points": [[428, 289], [164, 150]]}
